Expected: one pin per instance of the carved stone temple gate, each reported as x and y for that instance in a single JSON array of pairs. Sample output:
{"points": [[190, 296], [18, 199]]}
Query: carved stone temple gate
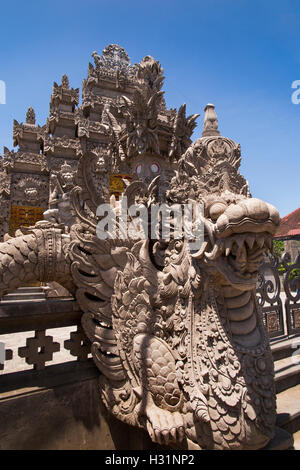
{"points": [[43, 167], [168, 340]]}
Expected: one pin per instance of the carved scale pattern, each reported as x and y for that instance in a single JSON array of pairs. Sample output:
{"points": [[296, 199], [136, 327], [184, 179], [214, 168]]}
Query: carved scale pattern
{"points": [[237, 383]]}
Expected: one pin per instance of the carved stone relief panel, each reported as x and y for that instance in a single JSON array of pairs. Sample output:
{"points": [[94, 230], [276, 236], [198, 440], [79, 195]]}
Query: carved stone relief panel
{"points": [[29, 189], [4, 214]]}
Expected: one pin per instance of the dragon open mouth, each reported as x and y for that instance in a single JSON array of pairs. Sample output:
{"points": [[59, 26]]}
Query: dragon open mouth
{"points": [[244, 252], [237, 240], [239, 256]]}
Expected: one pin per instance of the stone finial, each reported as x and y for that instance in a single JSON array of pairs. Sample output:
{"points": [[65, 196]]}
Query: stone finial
{"points": [[210, 121], [151, 72], [97, 59], [116, 55], [65, 81], [30, 116]]}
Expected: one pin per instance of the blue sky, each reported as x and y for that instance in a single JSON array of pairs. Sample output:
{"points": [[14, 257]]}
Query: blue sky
{"points": [[241, 55]]}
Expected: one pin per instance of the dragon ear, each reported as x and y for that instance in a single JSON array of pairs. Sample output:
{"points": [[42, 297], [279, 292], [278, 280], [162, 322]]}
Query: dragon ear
{"points": [[127, 101], [153, 189], [150, 272]]}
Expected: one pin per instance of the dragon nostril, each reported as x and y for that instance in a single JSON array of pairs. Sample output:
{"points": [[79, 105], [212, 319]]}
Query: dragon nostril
{"points": [[257, 209], [273, 214], [217, 209], [235, 212]]}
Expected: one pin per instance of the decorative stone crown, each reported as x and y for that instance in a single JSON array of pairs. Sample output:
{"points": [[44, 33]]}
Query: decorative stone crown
{"points": [[210, 121], [30, 116]]}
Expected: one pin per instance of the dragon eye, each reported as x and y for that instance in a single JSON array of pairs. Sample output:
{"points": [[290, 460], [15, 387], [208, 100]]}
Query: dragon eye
{"points": [[217, 209], [154, 168], [138, 168]]}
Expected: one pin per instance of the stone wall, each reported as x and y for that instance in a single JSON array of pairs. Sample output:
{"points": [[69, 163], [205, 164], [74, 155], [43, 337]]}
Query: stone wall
{"points": [[293, 247], [63, 412]]}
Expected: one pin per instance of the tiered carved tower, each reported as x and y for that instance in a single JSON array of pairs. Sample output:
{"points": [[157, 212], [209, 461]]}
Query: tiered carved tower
{"points": [[123, 119]]}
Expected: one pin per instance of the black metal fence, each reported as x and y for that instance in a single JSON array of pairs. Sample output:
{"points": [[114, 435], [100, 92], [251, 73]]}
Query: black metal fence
{"points": [[278, 294]]}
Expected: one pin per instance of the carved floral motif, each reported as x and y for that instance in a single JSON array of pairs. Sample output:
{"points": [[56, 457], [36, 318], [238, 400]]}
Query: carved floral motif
{"points": [[12, 159], [51, 143]]}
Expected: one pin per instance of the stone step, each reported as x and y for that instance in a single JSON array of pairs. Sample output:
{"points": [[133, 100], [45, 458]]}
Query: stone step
{"points": [[27, 296], [287, 373], [284, 347], [296, 437], [288, 409], [29, 289], [24, 294], [282, 440]]}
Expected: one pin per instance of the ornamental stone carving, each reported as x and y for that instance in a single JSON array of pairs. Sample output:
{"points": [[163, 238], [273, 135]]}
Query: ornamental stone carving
{"points": [[210, 121], [30, 116], [61, 183], [182, 130], [4, 200], [63, 95], [113, 57], [30, 190], [176, 332], [17, 160]]}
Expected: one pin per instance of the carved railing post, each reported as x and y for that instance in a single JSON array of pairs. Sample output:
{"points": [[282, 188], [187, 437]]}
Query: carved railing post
{"points": [[292, 290], [268, 295]]}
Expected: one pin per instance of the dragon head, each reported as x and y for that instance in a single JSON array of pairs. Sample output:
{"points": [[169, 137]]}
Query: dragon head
{"points": [[240, 231], [238, 228]]}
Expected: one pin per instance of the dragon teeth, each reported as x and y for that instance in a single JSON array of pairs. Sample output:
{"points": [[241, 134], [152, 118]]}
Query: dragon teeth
{"points": [[213, 254], [200, 253], [260, 239], [240, 240], [228, 245], [104, 325], [267, 243], [250, 239]]}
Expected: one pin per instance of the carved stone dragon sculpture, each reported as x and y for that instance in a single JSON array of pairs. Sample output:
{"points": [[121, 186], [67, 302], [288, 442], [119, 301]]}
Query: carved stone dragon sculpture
{"points": [[177, 335]]}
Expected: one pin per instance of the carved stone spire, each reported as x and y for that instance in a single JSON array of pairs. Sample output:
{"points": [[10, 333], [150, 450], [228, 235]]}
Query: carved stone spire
{"points": [[65, 81], [30, 116], [210, 121], [151, 73]]}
